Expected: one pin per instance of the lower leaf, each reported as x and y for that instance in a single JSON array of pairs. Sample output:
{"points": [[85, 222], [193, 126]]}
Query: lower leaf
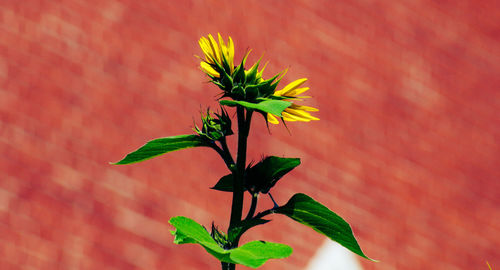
{"points": [[252, 254]]}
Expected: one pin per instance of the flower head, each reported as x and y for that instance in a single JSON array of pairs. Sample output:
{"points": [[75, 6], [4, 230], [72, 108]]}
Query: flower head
{"points": [[219, 57], [294, 112]]}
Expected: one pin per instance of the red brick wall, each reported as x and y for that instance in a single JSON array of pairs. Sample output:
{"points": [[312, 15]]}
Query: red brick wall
{"points": [[407, 149]]}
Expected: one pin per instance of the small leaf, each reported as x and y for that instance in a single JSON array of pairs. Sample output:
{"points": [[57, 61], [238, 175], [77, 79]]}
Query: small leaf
{"points": [[252, 254], [224, 184], [161, 146], [264, 175], [271, 106], [309, 212]]}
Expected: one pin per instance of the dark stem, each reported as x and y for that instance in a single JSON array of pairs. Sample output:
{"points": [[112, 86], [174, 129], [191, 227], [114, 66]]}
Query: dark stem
{"points": [[239, 175], [228, 266], [264, 213], [226, 150], [253, 206], [224, 154]]}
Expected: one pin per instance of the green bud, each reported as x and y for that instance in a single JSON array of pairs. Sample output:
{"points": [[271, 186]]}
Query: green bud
{"points": [[215, 125], [220, 238]]}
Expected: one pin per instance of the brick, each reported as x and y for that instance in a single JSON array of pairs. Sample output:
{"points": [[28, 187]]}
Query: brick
{"points": [[406, 149]]}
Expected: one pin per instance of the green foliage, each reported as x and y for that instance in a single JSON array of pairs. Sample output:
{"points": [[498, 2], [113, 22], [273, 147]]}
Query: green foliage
{"points": [[162, 146], [271, 106], [215, 125], [309, 212], [252, 254], [247, 90], [225, 184], [262, 176]]}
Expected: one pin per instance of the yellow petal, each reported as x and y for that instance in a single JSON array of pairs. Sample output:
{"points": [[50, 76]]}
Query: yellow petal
{"points": [[215, 48], [209, 69], [304, 116], [223, 47], [230, 50], [291, 86], [290, 118], [271, 119], [300, 114], [221, 41], [211, 58], [303, 108], [207, 50], [297, 91]]}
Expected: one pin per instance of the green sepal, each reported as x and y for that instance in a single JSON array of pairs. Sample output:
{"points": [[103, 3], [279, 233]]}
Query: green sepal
{"points": [[161, 146], [226, 81], [311, 213], [252, 254], [275, 107], [239, 74], [251, 74], [251, 92]]}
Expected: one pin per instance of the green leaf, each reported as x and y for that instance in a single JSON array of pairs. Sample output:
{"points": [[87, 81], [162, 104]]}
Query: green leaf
{"points": [[161, 146], [266, 105], [224, 184], [252, 254], [264, 175], [309, 212], [243, 226]]}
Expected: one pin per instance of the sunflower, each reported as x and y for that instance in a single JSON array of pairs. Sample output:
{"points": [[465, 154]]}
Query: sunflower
{"points": [[219, 57], [294, 112]]}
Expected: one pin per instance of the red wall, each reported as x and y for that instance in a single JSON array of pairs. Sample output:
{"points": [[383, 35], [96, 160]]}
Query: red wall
{"points": [[407, 149]]}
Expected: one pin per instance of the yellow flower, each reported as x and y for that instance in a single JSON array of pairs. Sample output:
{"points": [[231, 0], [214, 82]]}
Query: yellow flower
{"points": [[294, 112], [218, 56]]}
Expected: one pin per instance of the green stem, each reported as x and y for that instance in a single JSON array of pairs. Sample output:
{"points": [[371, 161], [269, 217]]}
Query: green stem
{"points": [[239, 175], [227, 266], [265, 213], [226, 150], [224, 153], [253, 206]]}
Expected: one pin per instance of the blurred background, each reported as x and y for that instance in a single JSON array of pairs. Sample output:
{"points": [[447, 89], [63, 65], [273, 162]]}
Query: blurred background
{"points": [[407, 149]]}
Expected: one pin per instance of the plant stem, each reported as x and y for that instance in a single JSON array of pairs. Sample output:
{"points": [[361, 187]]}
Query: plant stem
{"points": [[226, 150], [227, 266], [253, 206], [239, 175], [224, 154], [265, 213]]}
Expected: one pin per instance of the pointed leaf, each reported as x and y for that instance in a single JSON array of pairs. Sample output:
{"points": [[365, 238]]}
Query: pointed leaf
{"points": [[307, 211], [264, 175], [161, 146], [266, 105], [252, 254], [224, 184]]}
